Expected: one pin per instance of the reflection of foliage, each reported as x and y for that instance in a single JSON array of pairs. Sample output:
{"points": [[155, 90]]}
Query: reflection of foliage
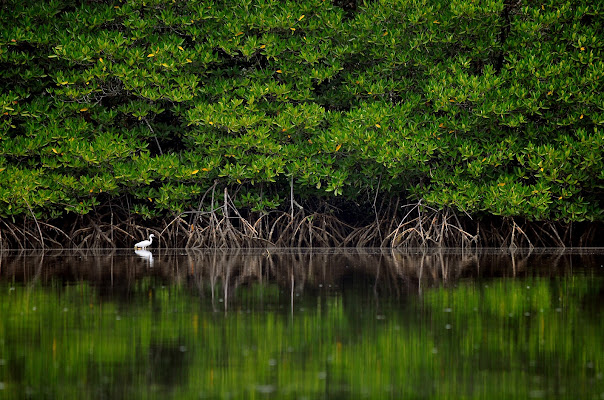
{"points": [[466, 341], [530, 324]]}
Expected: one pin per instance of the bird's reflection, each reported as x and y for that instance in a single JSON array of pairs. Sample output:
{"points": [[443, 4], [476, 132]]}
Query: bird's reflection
{"points": [[146, 255]]}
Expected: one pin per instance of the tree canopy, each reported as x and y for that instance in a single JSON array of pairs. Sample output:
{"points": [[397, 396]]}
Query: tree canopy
{"points": [[490, 107]]}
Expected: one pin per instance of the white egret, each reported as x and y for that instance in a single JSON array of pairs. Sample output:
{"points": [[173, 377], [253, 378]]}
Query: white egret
{"points": [[143, 245]]}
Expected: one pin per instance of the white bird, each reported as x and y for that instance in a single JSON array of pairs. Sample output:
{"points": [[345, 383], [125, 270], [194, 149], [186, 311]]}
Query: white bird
{"points": [[143, 245]]}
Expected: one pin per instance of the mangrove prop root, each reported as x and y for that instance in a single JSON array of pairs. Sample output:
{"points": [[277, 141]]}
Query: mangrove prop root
{"points": [[223, 225]]}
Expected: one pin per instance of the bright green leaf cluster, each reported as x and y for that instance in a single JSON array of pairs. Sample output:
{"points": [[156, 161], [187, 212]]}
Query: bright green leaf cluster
{"points": [[488, 107]]}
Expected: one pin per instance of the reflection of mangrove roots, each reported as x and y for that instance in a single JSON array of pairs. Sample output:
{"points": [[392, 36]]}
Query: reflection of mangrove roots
{"points": [[218, 273]]}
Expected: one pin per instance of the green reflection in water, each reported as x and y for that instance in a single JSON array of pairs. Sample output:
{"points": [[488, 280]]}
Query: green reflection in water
{"points": [[506, 338]]}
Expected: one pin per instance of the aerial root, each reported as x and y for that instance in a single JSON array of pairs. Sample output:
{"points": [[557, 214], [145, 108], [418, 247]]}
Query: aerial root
{"points": [[426, 226], [223, 225]]}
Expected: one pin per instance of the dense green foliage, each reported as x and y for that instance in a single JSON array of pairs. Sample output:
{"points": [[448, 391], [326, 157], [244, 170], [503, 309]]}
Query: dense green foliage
{"points": [[508, 338], [489, 107]]}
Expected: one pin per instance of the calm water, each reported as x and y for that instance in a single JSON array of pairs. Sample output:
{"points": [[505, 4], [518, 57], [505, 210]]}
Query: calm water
{"points": [[302, 325]]}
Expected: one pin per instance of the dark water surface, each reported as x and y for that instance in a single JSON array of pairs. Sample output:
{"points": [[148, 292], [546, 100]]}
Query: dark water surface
{"points": [[296, 324]]}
